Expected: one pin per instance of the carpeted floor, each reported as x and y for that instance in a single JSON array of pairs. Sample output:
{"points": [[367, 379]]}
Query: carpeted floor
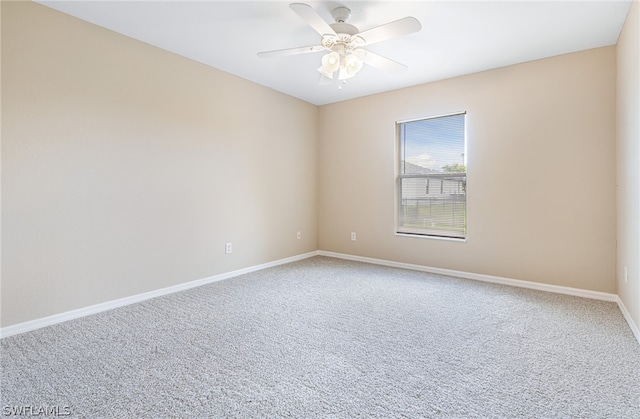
{"points": [[330, 338]]}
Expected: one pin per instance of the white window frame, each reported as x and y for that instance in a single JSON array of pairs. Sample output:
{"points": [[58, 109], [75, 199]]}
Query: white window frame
{"points": [[424, 232]]}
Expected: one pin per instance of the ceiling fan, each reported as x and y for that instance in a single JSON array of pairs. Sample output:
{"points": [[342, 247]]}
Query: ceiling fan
{"points": [[344, 43]]}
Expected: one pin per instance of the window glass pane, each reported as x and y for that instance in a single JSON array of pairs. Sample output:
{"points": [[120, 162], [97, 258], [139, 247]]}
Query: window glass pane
{"points": [[433, 145], [432, 177]]}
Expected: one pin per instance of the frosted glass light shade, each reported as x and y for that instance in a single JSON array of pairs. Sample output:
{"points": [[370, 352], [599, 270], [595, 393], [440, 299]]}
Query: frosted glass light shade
{"points": [[330, 63]]}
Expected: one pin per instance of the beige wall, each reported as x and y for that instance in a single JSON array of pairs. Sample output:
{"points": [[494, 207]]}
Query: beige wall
{"points": [[541, 172], [126, 168], [628, 159]]}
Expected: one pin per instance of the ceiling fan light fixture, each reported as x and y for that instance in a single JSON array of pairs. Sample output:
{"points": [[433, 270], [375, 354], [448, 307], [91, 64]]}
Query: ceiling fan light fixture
{"points": [[350, 67], [352, 64], [330, 63]]}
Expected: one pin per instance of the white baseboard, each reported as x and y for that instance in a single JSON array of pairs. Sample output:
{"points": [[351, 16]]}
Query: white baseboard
{"points": [[596, 295], [480, 277], [97, 308], [629, 319]]}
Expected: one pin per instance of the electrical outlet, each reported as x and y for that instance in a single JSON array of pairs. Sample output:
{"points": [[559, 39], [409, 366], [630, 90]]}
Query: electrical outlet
{"points": [[353, 236], [228, 248], [299, 235], [626, 275]]}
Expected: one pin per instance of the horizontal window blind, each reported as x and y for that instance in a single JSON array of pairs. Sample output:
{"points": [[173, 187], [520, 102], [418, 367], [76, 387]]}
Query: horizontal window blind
{"points": [[432, 177]]}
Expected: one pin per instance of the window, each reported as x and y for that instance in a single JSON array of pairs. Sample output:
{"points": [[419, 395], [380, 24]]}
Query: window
{"points": [[432, 177]]}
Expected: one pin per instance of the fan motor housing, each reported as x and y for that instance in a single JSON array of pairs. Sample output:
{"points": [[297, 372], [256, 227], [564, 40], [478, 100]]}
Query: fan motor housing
{"points": [[346, 28]]}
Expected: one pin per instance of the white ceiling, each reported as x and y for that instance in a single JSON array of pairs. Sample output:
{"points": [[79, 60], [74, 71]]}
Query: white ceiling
{"points": [[456, 38]]}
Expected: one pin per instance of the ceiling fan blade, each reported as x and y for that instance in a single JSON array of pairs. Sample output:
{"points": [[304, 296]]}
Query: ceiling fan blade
{"points": [[379, 61], [324, 80], [314, 20], [290, 51], [390, 30]]}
